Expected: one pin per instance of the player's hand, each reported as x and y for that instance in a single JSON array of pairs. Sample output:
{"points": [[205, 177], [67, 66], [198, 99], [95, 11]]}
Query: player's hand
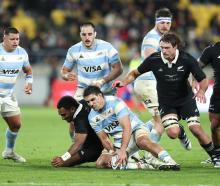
{"points": [[122, 158], [118, 84], [200, 96], [28, 88], [98, 83], [70, 76], [195, 86], [57, 161]]}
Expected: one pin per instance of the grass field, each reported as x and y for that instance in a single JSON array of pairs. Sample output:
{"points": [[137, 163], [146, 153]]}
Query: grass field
{"points": [[44, 135]]}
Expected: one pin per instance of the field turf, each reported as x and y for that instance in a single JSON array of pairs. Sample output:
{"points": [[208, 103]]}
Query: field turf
{"points": [[44, 135]]}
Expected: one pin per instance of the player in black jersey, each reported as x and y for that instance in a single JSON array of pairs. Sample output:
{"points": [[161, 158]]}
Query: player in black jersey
{"points": [[172, 68], [211, 55], [86, 146]]}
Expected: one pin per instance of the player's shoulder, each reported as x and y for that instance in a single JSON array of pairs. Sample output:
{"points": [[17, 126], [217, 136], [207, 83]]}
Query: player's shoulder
{"points": [[103, 43], [186, 58], [21, 50], [75, 47], [152, 34]]}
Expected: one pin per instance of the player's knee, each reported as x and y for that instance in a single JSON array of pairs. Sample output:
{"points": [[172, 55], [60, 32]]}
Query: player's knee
{"points": [[15, 127], [171, 125], [173, 132], [215, 128], [215, 124], [103, 161], [143, 142]]}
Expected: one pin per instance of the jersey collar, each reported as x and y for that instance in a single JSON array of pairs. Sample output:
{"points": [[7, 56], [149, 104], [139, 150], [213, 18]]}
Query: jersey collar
{"points": [[77, 110], [173, 62]]}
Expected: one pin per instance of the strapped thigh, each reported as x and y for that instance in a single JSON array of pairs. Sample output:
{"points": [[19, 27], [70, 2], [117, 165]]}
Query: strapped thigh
{"points": [[194, 120], [169, 121]]}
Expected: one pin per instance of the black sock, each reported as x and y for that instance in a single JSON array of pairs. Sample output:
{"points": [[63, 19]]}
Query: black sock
{"points": [[210, 149], [182, 133]]}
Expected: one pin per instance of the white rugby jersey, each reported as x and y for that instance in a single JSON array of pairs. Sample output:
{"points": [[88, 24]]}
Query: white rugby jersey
{"points": [[107, 119], [11, 63], [151, 40], [92, 64]]}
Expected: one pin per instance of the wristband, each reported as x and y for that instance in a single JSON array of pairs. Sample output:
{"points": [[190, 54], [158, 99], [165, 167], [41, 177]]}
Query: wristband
{"points": [[29, 79], [66, 156]]}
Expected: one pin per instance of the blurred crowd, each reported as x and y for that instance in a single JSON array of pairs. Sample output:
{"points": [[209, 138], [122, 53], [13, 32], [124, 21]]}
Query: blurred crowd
{"points": [[49, 27]]}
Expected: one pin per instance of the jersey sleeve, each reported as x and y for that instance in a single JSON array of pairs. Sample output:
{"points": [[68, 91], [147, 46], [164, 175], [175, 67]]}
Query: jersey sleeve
{"points": [[70, 60], [95, 122], [144, 66], [81, 125], [113, 55], [121, 109], [206, 56], [196, 70], [150, 43], [26, 58]]}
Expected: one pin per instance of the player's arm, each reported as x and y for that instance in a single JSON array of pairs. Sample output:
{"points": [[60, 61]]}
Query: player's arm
{"points": [[116, 70], [200, 94], [129, 78], [106, 142], [67, 74], [74, 148], [28, 79], [126, 136]]}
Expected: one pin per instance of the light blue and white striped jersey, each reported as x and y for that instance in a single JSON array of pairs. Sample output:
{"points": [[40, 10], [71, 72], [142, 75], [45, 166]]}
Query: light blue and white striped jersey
{"points": [[92, 64], [107, 119], [151, 40], [11, 63]]}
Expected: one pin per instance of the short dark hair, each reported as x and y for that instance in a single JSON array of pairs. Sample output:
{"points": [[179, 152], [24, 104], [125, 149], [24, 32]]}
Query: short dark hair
{"points": [[87, 24], [11, 30], [171, 38], [163, 12], [67, 102], [92, 90]]}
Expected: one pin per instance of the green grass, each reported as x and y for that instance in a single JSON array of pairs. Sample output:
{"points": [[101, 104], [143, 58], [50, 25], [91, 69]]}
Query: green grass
{"points": [[44, 135]]}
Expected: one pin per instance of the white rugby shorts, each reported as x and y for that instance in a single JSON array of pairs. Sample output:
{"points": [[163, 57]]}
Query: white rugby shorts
{"points": [[9, 106]]}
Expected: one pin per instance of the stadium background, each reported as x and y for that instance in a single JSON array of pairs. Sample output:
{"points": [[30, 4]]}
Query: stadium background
{"points": [[49, 27]]}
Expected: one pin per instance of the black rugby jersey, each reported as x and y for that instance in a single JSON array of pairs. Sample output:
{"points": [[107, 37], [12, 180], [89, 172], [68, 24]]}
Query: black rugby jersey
{"points": [[82, 126], [173, 87], [211, 55]]}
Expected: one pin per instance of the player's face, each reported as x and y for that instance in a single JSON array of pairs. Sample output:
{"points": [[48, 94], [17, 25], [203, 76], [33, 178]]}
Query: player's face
{"points": [[11, 41], [169, 52], [163, 27], [87, 35], [66, 114], [96, 102]]}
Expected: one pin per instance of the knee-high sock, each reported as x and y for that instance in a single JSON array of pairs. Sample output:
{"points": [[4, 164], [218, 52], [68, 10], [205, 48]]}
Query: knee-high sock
{"points": [[10, 139]]}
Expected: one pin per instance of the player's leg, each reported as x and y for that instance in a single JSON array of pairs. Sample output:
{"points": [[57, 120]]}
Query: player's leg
{"points": [[146, 90], [215, 128], [144, 143], [214, 117], [11, 115], [191, 114], [104, 160], [172, 126]]}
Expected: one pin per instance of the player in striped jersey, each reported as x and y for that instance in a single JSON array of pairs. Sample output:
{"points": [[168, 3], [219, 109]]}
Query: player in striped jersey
{"points": [[13, 59], [109, 115], [96, 62]]}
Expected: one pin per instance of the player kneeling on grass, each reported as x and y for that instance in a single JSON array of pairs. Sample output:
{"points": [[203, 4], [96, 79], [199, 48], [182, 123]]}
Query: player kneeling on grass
{"points": [[109, 115], [87, 146]]}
